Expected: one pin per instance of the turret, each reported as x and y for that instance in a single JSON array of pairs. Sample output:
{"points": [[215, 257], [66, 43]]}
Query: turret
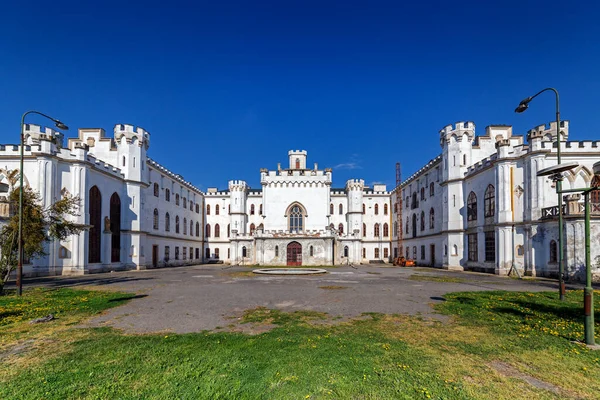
{"points": [[132, 145], [354, 189], [297, 159], [457, 144], [238, 192]]}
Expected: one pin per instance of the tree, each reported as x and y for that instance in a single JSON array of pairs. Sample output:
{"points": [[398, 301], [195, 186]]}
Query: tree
{"points": [[40, 225]]}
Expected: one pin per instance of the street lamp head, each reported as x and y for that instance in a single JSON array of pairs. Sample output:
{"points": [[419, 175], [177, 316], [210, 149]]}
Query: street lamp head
{"points": [[61, 126], [557, 169], [523, 105]]}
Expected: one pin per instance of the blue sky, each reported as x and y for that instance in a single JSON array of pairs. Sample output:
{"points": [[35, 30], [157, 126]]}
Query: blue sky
{"points": [[226, 88]]}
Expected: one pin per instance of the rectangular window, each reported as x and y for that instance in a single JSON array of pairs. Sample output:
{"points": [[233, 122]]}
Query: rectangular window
{"points": [[376, 254], [191, 253], [490, 246], [177, 252], [386, 253], [167, 251], [472, 246], [364, 253], [217, 253], [185, 253], [422, 252]]}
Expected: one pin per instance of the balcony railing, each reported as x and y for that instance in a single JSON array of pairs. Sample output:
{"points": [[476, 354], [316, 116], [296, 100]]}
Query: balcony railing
{"points": [[577, 209]]}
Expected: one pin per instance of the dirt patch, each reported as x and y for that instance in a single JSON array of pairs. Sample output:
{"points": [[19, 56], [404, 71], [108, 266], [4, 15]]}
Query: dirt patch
{"points": [[509, 371], [16, 349], [333, 287]]}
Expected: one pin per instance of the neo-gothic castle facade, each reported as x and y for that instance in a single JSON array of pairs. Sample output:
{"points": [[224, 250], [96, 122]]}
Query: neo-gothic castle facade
{"points": [[479, 205]]}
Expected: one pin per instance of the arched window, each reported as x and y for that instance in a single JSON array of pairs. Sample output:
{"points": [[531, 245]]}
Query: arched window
{"points": [[364, 209], [489, 201], [155, 187], [123, 160], [177, 224], [197, 229], [252, 229], [207, 233], [176, 199], [422, 193], [311, 251], [217, 209], [431, 189], [553, 251], [244, 252], [260, 209], [331, 209], [115, 227], [386, 230], [431, 218], [296, 219], [385, 209], [422, 221], [228, 230], [395, 208], [167, 195], [595, 195], [341, 209], [345, 251], [376, 230], [464, 159], [184, 202], [276, 251], [364, 230], [208, 209], [341, 228], [167, 222], [155, 220], [297, 163], [376, 209], [252, 209], [185, 226], [472, 207], [217, 231], [197, 210]]}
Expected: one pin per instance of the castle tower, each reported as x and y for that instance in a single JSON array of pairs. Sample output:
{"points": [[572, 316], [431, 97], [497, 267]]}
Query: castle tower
{"points": [[238, 192], [132, 145], [457, 144], [297, 159], [354, 188]]}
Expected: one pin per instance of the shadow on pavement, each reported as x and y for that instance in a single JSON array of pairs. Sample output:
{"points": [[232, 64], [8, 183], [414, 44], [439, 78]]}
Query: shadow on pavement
{"points": [[58, 282]]}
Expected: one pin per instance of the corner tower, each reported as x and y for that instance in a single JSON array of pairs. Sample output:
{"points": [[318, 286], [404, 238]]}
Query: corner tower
{"points": [[238, 192], [354, 188]]}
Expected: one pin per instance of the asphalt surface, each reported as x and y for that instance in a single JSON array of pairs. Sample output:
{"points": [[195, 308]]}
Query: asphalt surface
{"points": [[208, 297]]}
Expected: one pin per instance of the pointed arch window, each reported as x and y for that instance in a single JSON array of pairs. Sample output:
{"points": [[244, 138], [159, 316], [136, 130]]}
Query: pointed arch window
{"points": [[115, 227], [155, 219], [208, 209], [331, 209], [176, 199], [252, 229], [177, 224], [167, 222], [422, 221], [341, 228], [297, 163], [185, 226], [296, 218], [422, 193], [385, 209], [489, 201], [207, 233], [376, 230], [386, 230], [167, 195], [252, 209], [376, 209], [341, 209], [217, 209], [156, 190], [184, 202], [431, 189], [553, 251], [217, 231], [472, 207]]}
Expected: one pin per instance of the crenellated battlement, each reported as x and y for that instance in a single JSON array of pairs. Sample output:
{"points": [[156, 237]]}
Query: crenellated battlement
{"points": [[224, 193], [33, 134], [105, 167], [133, 135], [457, 131], [421, 171], [574, 146], [175, 177], [548, 131], [238, 186], [481, 165], [355, 184], [297, 152]]}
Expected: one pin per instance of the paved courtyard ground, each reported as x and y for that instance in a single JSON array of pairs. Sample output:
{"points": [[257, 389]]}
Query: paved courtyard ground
{"points": [[209, 297]]}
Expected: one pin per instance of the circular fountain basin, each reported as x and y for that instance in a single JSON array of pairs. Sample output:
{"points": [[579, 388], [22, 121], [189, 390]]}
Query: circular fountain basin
{"points": [[290, 271]]}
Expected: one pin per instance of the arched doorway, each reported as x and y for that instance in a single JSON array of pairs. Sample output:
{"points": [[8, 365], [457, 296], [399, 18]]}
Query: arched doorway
{"points": [[95, 233], [294, 254], [115, 228]]}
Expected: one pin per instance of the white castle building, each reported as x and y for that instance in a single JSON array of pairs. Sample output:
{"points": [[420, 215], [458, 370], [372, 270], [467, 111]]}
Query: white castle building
{"points": [[479, 205]]}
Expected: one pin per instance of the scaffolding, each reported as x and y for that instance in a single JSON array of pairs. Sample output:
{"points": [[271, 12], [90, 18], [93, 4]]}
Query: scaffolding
{"points": [[399, 231]]}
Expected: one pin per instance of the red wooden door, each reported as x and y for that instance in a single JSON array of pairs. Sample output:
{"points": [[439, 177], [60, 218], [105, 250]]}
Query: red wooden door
{"points": [[294, 254]]}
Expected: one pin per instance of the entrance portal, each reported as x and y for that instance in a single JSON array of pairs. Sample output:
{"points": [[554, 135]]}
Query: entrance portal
{"points": [[294, 254]]}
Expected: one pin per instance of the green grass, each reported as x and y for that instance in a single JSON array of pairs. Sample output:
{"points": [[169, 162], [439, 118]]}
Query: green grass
{"points": [[373, 357]]}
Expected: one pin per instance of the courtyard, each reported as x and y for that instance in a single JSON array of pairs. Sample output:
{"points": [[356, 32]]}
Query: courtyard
{"points": [[215, 331]]}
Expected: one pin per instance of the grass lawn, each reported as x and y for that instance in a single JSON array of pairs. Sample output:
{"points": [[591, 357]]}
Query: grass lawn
{"points": [[496, 345]]}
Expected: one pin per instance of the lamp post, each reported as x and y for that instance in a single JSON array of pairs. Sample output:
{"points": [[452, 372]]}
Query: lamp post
{"points": [[524, 105], [60, 126]]}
